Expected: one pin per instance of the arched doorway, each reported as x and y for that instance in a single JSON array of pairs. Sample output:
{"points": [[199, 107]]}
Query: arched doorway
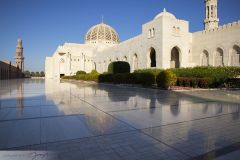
{"points": [[219, 57], [205, 58], [152, 57], [235, 59], [175, 63], [135, 62]]}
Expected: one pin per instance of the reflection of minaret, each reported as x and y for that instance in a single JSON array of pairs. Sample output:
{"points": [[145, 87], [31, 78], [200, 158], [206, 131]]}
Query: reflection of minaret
{"points": [[19, 98], [19, 55]]}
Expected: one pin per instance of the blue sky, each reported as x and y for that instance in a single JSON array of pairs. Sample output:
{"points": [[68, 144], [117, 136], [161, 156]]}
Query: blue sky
{"points": [[45, 24]]}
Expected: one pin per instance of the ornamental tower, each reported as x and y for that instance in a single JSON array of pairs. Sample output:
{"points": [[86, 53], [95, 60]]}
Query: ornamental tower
{"points": [[211, 18], [19, 55]]}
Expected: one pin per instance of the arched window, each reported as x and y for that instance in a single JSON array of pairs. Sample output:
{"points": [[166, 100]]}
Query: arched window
{"points": [[152, 57], [235, 58], [153, 32], [149, 33], [175, 62], [135, 62], [205, 58], [219, 57]]}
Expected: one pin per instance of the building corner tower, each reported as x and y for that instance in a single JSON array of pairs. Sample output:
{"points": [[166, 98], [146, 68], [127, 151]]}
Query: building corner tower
{"points": [[19, 55], [211, 17]]}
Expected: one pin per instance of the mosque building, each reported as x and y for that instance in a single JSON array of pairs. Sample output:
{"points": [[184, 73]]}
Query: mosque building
{"points": [[165, 42]]}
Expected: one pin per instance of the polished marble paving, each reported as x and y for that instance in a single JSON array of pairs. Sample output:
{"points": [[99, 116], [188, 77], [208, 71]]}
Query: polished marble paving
{"points": [[104, 121]]}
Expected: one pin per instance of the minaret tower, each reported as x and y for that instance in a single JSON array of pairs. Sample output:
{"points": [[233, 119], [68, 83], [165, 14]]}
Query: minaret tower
{"points": [[211, 18], [19, 55]]}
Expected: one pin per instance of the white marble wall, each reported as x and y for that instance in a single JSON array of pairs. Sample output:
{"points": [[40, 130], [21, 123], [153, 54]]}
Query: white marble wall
{"points": [[166, 33]]}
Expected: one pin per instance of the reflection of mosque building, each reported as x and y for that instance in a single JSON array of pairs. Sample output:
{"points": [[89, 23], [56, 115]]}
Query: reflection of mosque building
{"points": [[178, 115], [69, 100], [15, 90], [8, 70], [165, 42]]}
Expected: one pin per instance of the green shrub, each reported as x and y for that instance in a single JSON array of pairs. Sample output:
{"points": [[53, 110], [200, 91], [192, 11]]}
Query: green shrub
{"points": [[194, 82], [119, 67], [105, 78], [124, 78], [121, 78], [146, 79], [233, 83], [94, 72], [180, 81], [118, 78], [154, 71], [204, 82], [80, 72], [68, 77], [166, 79], [185, 81], [203, 77], [93, 76], [217, 75]]}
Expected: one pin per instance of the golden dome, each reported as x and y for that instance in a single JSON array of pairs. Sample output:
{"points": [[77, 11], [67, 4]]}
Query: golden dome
{"points": [[102, 33]]}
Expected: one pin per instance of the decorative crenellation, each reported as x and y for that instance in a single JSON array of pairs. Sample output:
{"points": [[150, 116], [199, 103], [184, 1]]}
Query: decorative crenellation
{"points": [[222, 28]]}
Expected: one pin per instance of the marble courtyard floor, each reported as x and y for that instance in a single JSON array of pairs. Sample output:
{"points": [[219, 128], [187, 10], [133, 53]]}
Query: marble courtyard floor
{"points": [[91, 121]]}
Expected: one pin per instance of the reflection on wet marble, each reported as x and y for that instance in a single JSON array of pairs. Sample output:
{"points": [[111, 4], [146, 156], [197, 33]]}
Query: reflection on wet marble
{"points": [[116, 122]]}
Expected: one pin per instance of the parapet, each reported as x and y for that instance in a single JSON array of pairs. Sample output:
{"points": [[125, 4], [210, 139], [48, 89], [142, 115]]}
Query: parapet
{"points": [[223, 28]]}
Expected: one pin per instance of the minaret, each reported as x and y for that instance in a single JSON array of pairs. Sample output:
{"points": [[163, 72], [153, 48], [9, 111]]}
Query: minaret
{"points": [[19, 55], [211, 18]]}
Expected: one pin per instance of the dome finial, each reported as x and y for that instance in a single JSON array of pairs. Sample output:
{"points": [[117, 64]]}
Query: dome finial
{"points": [[164, 10]]}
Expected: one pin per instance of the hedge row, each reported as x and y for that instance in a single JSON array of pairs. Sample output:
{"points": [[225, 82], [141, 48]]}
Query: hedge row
{"points": [[203, 77], [80, 72], [233, 83], [68, 77], [194, 82], [154, 71], [93, 76], [145, 79], [217, 75]]}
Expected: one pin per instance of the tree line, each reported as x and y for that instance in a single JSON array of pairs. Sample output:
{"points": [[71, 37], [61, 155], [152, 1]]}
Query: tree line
{"points": [[34, 74]]}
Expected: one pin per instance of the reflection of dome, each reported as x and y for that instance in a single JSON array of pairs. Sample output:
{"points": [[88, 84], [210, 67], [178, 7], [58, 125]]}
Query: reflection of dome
{"points": [[165, 14], [102, 33]]}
